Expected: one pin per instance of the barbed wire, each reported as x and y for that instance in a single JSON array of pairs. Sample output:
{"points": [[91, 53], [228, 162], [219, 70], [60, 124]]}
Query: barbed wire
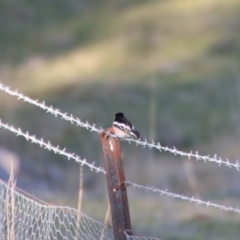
{"points": [[57, 150], [182, 197], [49, 109], [216, 159], [144, 143], [50, 147]]}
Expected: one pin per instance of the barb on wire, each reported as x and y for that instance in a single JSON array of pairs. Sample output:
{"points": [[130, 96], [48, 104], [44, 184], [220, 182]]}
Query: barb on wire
{"points": [[49, 109], [215, 159], [144, 143], [50, 147], [182, 197]]}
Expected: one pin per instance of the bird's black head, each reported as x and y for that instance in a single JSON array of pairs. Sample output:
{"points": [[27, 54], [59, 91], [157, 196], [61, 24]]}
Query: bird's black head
{"points": [[119, 115]]}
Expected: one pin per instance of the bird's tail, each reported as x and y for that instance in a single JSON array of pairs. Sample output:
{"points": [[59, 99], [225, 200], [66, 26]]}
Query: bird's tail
{"points": [[135, 134]]}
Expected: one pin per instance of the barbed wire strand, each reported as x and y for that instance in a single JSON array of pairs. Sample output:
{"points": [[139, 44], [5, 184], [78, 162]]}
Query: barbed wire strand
{"points": [[56, 150], [182, 197], [50, 147], [144, 143], [49, 109], [216, 159]]}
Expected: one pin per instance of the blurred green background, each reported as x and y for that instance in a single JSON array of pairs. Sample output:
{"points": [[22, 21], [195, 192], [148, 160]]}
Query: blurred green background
{"points": [[173, 68]]}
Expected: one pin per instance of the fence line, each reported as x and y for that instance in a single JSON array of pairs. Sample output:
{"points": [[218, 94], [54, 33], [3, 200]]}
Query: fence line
{"points": [[216, 159], [28, 219], [32, 220], [49, 109], [56, 150], [182, 197], [50, 147], [59, 221], [92, 127], [136, 237]]}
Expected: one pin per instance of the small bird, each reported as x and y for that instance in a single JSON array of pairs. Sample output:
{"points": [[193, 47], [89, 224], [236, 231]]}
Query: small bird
{"points": [[123, 128]]}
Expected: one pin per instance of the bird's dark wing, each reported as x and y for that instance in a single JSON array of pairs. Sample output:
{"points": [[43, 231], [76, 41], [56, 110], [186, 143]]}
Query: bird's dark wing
{"points": [[125, 120], [135, 134]]}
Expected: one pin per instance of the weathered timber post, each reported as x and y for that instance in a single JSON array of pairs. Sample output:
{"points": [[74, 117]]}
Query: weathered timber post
{"points": [[116, 185]]}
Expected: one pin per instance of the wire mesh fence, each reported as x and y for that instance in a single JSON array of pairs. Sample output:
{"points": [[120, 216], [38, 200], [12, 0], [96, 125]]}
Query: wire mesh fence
{"points": [[135, 237], [24, 218]]}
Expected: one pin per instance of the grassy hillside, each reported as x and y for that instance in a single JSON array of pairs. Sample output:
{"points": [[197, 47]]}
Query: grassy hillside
{"points": [[58, 44], [171, 66]]}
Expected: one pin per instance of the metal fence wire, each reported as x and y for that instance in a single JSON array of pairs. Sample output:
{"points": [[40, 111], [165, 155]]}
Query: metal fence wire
{"points": [[26, 219], [23, 218]]}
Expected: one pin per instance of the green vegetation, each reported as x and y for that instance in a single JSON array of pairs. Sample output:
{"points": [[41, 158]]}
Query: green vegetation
{"points": [[93, 58]]}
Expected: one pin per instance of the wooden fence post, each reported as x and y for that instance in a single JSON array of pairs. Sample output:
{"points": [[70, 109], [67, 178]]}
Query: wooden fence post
{"points": [[116, 185]]}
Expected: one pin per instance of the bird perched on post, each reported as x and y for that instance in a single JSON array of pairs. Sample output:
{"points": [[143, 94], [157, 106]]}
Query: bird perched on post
{"points": [[123, 128]]}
